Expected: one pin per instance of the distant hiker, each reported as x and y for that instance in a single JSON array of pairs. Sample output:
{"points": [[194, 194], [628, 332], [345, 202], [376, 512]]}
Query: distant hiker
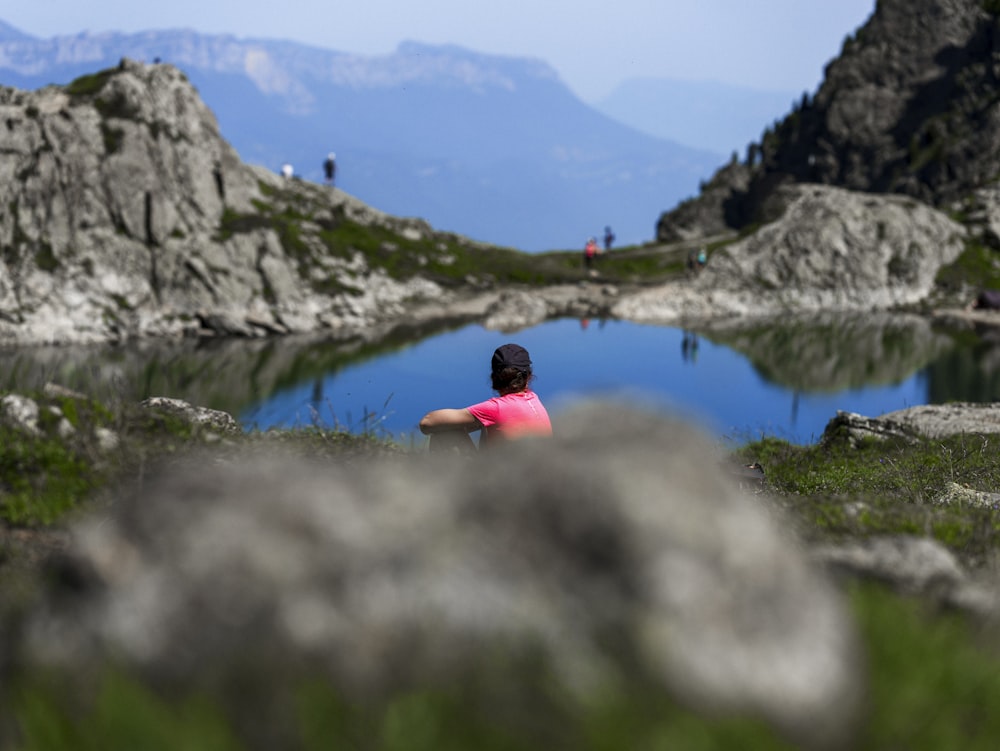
{"points": [[330, 167], [692, 263], [287, 171], [702, 259], [589, 252], [609, 238], [516, 413]]}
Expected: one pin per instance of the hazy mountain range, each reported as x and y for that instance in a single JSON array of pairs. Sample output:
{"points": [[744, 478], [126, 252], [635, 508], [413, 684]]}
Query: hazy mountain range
{"points": [[493, 147]]}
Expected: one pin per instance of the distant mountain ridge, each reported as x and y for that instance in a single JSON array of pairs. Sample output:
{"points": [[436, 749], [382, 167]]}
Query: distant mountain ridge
{"points": [[493, 147], [9, 34]]}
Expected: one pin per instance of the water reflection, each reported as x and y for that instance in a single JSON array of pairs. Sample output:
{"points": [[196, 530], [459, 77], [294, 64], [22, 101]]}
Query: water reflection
{"points": [[836, 352], [689, 347], [971, 372], [785, 378]]}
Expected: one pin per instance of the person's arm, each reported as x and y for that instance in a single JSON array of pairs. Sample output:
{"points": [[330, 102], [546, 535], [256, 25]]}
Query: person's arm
{"points": [[449, 419]]}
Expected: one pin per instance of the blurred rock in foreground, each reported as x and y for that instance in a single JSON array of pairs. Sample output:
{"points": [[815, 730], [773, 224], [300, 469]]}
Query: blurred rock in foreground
{"points": [[615, 552]]}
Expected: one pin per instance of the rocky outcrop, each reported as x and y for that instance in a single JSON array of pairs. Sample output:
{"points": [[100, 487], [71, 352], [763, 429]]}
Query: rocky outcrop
{"points": [[830, 249], [922, 421], [212, 419], [915, 566], [124, 213], [909, 106]]}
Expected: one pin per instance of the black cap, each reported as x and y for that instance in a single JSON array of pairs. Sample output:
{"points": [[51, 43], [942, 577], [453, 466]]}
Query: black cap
{"points": [[511, 356]]}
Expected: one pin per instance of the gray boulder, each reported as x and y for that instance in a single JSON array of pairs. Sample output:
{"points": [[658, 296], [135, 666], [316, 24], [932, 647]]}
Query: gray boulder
{"points": [[613, 552], [830, 250], [924, 420], [214, 419], [915, 566]]}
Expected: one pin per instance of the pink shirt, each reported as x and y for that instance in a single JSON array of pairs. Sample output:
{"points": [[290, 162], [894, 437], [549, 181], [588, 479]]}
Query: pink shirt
{"points": [[513, 415]]}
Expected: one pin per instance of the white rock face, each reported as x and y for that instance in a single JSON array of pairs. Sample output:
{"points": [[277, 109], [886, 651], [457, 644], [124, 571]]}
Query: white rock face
{"points": [[124, 213], [832, 249]]}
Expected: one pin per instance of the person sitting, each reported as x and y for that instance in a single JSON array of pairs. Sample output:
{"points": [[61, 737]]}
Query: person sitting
{"points": [[517, 411]]}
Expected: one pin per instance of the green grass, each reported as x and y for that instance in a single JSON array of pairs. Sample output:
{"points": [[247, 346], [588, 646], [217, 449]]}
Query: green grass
{"points": [[933, 683], [309, 231], [886, 487], [44, 475], [934, 677], [42, 478], [123, 714]]}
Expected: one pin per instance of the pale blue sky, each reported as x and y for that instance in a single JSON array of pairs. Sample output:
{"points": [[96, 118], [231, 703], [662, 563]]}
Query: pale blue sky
{"points": [[594, 44]]}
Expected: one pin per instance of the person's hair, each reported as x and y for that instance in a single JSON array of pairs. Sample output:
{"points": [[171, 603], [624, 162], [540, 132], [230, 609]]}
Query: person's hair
{"points": [[510, 380]]}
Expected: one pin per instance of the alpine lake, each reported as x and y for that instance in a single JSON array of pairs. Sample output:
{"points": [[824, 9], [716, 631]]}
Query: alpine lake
{"points": [[739, 381]]}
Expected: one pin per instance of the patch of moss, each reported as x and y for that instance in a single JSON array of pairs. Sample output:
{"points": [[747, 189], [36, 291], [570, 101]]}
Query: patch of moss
{"points": [[234, 223], [113, 138], [977, 267], [90, 84], [45, 258]]}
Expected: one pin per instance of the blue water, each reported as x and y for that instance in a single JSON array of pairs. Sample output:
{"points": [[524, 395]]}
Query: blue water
{"points": [[710, 384]]}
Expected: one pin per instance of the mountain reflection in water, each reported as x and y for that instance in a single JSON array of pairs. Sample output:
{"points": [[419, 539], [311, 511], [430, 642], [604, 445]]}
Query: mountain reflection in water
{"points": [[741, 381]]}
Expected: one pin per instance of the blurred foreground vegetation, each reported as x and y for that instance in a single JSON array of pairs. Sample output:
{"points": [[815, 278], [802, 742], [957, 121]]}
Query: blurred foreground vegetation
{"points": [[934, 677], [934, 684]]}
